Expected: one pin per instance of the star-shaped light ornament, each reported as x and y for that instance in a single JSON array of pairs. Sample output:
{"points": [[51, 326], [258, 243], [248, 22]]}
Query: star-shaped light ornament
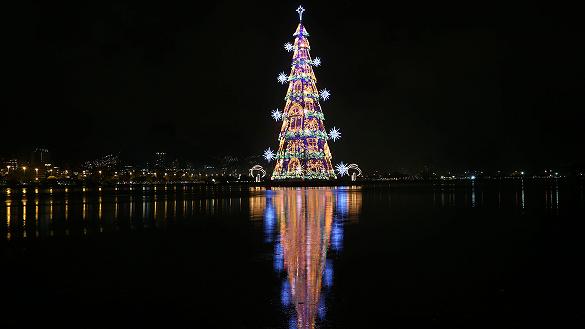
{"points": [[342, 169], [282, 78], [276, 115], [334, 134], [269, 155]]}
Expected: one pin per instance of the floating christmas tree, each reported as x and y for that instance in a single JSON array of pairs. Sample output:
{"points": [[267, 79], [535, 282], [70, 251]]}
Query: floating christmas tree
{"points": [[303, 152]]}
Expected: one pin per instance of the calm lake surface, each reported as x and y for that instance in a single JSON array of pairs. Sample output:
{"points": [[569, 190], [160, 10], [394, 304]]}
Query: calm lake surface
{"points": [[437, 255]]}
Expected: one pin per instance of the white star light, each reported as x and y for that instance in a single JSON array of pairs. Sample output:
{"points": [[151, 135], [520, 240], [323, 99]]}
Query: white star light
{"points": [[325, 94], [342, 169], [334, 134], [300, 10], [269, 155], [288, 46], [316, 61], [282, 78], [276, 115]]}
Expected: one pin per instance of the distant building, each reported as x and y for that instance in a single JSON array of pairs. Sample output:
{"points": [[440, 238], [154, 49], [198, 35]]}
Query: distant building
{"points": [[11, 164], [40, 156], [427, 172], [110, 161], [160, 160]]}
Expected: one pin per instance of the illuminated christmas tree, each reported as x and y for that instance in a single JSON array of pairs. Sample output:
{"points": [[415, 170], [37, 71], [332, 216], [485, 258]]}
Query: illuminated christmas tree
{"points": [[303, 152]]}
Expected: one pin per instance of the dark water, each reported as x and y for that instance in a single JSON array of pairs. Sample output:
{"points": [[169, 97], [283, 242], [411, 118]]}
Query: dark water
{"points": [[445, 256]]}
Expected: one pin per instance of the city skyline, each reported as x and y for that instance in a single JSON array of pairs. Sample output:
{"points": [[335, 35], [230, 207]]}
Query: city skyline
{"points": [[167, 161]]}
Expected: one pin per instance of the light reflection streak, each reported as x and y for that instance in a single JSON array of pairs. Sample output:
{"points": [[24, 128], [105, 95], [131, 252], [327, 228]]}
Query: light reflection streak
{"points": [[8, 215], [116, 205], [165, 209], [84, 209], [100, 224], [557, 196], [174, 208], [100, 208], [36, 217], [66, 208], [473, 194], [522, 195], [24, 218], [269, 222]]}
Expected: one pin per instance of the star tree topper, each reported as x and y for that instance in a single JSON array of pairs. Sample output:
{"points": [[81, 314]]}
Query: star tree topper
{"points": [[300, 10]]}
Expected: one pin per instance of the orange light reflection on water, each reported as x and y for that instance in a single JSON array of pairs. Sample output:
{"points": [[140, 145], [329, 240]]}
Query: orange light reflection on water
{"points": [[303, 221]]}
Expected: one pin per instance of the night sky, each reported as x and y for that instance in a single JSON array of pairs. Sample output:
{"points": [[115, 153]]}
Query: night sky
{"points": [[450, 86]]}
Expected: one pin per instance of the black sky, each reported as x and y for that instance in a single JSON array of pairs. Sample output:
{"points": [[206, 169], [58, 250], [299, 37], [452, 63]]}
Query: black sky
{"points": [[463, 86]]}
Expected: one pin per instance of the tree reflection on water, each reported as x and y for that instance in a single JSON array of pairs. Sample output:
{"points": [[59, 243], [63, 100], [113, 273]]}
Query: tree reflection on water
{"points": [[304, 224]]}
